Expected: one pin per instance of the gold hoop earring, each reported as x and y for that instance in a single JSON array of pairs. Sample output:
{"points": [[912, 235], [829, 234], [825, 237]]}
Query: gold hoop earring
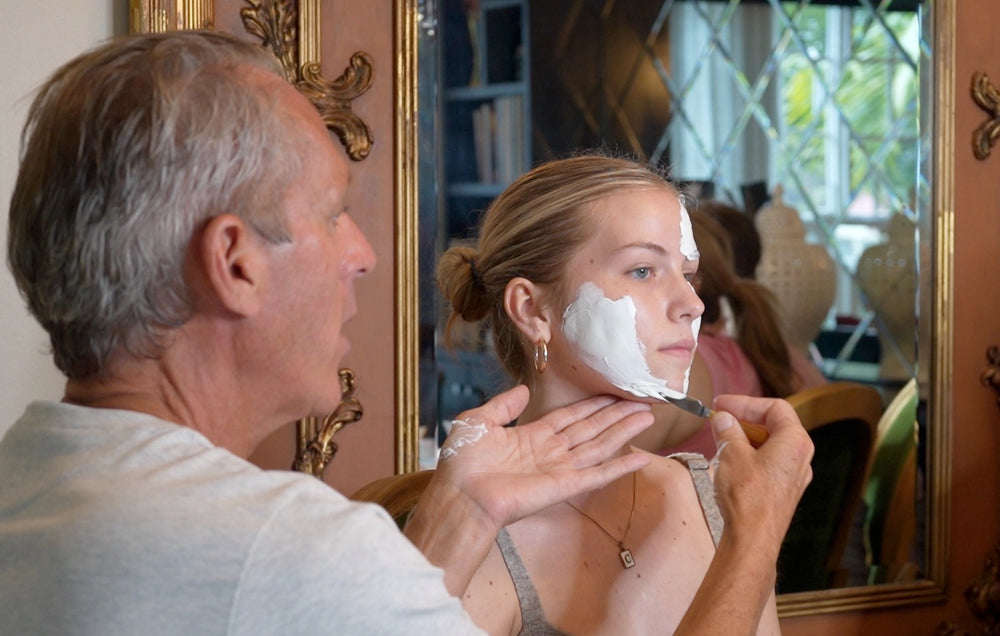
{"points": [[541, 356]]}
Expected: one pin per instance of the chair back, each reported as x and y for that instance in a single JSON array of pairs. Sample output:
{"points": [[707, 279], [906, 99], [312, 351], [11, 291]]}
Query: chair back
{"points": [[398, 494], [841, 418], [890, 490]]}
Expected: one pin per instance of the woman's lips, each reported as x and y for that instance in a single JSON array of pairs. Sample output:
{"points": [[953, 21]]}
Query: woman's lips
{"points": [[680, 349]]}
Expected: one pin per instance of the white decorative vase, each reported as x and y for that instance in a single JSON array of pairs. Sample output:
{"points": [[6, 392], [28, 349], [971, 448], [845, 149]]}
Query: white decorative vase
{"points": [[802, 275], [887, 273]]}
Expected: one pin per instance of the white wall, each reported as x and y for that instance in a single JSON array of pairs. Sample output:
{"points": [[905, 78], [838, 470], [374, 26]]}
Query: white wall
{"points": [[35, 38]]}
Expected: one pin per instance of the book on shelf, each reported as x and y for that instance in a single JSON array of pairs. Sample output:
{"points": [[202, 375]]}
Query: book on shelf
{"points": [[482, 132], [498, 136]]}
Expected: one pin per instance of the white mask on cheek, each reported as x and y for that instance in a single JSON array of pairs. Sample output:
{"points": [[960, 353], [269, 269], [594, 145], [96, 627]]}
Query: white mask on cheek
{"points": [[604, 332]]}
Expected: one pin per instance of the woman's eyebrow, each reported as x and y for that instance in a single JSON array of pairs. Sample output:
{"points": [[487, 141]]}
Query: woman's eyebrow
{"points": [[646, 245]]}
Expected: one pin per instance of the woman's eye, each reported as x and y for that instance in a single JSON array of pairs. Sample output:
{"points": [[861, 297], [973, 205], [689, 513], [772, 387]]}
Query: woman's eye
{"points": [[695, 279], [642, 273]]}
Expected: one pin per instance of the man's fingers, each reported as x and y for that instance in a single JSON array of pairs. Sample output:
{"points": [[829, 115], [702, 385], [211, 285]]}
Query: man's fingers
{"points": [[606, 472], [568, 416], [789, 448], [606, 438], [602, 421], [726, 430], [501, 409], [766, 412]]}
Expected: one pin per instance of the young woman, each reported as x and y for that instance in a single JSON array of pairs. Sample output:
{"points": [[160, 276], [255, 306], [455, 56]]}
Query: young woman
{"points": [[584, 272]]}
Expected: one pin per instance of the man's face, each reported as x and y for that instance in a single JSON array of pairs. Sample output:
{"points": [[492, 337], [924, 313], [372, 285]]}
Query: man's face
{"points": [[312, 276]]}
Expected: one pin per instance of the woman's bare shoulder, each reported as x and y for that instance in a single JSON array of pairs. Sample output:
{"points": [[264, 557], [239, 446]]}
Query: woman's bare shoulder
{"points": [[490, 598]]}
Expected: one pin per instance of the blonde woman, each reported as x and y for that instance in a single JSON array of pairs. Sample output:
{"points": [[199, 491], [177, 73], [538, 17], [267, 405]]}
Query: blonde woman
{"points": [[583, 271]]}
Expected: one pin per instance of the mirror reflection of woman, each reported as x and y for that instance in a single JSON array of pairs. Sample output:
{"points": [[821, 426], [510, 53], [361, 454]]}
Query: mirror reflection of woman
{"points": [[583, 272]]}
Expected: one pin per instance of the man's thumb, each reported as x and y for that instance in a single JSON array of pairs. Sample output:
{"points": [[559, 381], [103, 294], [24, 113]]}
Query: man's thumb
{"points": [[725, 430]]}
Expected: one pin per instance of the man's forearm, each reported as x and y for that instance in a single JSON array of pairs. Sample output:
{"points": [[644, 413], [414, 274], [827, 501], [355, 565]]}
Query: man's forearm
{"points": [[452, 532], [732, 597]]}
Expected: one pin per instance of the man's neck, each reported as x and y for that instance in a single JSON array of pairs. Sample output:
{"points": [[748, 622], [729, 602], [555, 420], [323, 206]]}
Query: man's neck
{"points": [[154, 387]]}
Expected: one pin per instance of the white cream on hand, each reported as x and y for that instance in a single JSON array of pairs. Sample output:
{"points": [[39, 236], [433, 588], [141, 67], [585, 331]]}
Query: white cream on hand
{"points": [[462, 433]]}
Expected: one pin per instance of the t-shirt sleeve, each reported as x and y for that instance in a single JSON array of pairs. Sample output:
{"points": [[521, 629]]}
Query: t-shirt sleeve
{"points": [[340, 567]]}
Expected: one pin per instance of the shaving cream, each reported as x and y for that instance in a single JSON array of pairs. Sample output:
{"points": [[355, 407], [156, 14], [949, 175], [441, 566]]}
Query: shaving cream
{"points": [[690, 251], [605, 334], [462, 433], [688, 247]]}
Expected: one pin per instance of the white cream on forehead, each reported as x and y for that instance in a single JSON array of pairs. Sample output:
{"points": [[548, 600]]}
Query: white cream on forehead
{"points": [[690, 251], [688, 247], [604, 332]]}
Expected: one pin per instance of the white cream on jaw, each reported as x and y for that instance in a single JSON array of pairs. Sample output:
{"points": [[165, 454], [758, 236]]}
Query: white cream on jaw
{"points": [[605, 334]]}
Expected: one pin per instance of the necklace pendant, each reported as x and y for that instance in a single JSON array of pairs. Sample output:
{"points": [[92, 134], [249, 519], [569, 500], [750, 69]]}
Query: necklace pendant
{"points": [[626, 556]]}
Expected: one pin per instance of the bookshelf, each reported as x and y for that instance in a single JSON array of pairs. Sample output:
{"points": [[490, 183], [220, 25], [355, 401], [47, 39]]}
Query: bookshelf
{"points": [[481, 135], [486, 117]]}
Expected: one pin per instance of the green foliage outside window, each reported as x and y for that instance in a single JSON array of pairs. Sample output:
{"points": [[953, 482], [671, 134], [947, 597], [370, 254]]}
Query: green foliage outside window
{"points": [[849, 108]]}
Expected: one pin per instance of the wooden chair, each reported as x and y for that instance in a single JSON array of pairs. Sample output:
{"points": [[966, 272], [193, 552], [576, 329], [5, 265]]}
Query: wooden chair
{"points": [[890, 491], [841, 418], [398, 494]]}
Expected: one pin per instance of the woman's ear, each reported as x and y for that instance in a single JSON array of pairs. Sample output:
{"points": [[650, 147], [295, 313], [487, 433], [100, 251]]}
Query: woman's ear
{"points": [[526, 305]]}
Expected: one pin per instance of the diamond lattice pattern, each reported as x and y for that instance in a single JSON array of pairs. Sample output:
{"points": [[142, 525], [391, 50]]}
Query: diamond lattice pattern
{"points": [[820, 99]]}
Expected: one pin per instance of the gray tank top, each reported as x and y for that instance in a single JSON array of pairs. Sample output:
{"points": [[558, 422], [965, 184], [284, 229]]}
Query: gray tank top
{"points": [[533, 621]]}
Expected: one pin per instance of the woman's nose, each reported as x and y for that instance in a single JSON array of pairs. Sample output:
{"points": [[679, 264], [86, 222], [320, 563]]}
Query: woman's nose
{"points": [[685, 303]]}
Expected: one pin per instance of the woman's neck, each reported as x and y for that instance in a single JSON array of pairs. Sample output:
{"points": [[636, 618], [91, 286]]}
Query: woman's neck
{"points": [[549, 394]]}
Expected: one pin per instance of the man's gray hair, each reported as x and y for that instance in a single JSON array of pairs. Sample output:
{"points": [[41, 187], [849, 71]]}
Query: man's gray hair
{"points": [[128, 150]]}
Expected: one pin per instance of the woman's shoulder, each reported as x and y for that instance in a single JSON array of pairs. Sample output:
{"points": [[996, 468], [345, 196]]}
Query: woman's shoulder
{"points": [[675, 472]]}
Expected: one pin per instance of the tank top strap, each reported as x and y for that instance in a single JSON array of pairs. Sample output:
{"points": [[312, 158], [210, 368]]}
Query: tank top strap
{"points": [[698, 466], [533, 621]]}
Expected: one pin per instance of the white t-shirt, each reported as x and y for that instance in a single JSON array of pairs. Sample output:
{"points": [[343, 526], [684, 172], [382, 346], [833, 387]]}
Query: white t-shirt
{"points": [[116, 522]]}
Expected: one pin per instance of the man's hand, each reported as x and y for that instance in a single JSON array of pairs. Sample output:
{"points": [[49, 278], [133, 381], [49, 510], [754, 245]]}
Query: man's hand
{"points": [[758, 490], [515, 471], [491, 475]]}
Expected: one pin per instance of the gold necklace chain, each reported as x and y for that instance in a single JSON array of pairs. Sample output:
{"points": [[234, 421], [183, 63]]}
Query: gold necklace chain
{"points": [[626, 555]]}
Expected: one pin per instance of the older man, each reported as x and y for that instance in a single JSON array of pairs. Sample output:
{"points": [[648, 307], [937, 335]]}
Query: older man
{"points": [[178, 227]]}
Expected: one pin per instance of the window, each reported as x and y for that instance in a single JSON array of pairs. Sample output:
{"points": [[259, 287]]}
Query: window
{"points": [[820, 99]]}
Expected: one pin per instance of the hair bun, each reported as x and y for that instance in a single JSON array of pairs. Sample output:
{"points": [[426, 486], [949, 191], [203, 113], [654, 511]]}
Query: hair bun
{"points": [[463, 284]]}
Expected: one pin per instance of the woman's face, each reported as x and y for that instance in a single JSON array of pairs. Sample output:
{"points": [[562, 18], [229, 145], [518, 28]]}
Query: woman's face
{"points": [[632, 314]]}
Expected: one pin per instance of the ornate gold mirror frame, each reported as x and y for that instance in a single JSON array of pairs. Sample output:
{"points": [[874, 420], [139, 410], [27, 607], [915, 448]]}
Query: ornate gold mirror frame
{"points": [[290, 29], [937, 353]]}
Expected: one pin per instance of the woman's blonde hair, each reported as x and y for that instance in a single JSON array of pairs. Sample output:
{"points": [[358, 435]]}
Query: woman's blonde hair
{"points": [[754, 306], [532, 231]]}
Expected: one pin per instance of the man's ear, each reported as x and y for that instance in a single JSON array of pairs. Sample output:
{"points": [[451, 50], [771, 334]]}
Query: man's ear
{"points": [[233, 263], [525, 303]]}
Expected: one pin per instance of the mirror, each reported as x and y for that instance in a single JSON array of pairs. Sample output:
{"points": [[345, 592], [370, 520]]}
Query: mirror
{"points": [[831, 101]]}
